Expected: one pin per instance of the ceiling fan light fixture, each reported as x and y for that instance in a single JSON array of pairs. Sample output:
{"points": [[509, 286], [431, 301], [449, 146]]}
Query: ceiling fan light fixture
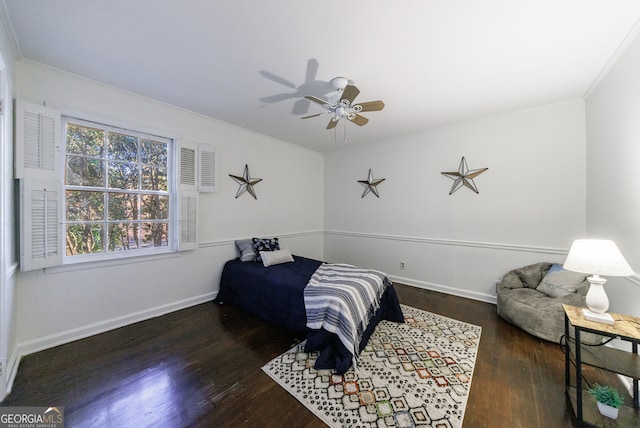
{"points": [[345, 107]]}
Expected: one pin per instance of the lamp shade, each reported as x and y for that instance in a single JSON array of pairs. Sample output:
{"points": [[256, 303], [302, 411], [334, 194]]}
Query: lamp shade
{"points": [[597, 257]]}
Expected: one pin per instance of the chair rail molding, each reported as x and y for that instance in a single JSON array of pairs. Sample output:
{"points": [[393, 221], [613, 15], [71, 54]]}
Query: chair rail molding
{"points": [[451, 242], [635, 279], [229, 241]]}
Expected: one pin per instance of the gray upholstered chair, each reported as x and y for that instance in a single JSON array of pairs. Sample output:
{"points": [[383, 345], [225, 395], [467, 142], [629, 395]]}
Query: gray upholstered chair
{"points": [[524, 303]]}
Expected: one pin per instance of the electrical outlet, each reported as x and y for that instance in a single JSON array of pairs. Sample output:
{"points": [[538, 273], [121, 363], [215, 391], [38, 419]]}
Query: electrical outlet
{"points": [[402, 265]]}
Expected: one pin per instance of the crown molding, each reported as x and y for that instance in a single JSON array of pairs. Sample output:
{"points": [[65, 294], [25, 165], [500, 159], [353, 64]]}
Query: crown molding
{"points": [[611, 62]]}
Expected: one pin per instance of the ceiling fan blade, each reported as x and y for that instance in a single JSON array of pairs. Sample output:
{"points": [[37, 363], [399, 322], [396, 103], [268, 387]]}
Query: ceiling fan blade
{"points": [[332, 123], [359, 120], [350, 93], [372, 106], [313, 115], [317, 100]]}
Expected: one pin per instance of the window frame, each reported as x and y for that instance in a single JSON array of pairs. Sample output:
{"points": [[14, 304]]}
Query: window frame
{"points": [[39, 137], [172, 192]]}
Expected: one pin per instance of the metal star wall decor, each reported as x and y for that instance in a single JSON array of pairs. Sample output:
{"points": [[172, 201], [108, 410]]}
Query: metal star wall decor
{"points": [[246, 183], [464, 177], [370, 185]]}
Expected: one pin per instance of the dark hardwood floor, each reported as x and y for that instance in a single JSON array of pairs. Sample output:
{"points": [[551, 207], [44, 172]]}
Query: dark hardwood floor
{"points": [[202, 367]]}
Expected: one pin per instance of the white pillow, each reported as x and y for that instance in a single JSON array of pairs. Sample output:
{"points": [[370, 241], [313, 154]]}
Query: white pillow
{"points": [[275, 257]]}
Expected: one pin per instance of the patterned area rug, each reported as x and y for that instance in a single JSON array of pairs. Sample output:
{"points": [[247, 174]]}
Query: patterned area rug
{"points": [[415, 374]]}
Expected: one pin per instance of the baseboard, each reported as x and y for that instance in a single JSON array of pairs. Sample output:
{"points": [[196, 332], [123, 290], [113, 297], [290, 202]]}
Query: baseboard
{"points": [[12, 371], [483, 297], [25, 348]]}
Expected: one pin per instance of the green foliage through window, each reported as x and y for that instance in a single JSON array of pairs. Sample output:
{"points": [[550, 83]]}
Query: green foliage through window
{"points": [[117, 191]]}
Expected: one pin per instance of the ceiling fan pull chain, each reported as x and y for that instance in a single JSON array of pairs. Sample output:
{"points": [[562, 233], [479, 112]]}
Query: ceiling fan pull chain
{"points": [[344, 122]]}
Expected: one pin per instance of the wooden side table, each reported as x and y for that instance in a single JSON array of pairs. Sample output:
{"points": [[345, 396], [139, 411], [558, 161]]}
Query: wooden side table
{"points": [[627, 363]]}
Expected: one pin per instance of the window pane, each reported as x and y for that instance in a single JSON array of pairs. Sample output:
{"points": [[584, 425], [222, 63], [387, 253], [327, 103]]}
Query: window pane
{"points": [[123, 175], [154, 178], [123, 206], [83, 140], [81, 171], [123, 147], [85, 206], [155, 234], [84, 239], [154, 152], [155, 207], [117, 189], [123, 236]]}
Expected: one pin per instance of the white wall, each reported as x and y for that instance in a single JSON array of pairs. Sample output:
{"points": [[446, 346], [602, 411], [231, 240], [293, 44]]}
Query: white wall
{"points": [[61, 304], [530, 206], [613, 160]]}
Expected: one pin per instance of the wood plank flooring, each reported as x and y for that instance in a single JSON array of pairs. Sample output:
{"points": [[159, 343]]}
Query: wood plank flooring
{"points": [[201, 367]]}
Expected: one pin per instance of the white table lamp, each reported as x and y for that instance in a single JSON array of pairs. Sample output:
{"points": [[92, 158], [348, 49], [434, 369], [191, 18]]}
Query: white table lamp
{"points": [[597, 257]]}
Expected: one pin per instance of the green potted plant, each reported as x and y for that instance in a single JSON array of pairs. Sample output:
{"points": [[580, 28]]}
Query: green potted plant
{"points": [[608, 398]]}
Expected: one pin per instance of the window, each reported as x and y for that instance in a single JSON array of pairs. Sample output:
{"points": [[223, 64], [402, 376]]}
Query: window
{"points": [[104, 192], [116, 186]]}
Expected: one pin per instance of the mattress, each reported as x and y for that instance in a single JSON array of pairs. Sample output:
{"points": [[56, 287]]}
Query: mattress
{"points": [[276, 294]]}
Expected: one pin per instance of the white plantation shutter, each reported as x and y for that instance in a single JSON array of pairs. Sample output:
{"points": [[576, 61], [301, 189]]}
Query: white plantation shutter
{"points": [[37, 141], [188, 221], [41, 224], [207, 168], [187, 166], [187, 197], [38, 146]]}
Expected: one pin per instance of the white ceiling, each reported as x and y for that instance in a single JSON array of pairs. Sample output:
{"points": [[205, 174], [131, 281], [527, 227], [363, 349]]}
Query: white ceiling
{"points": [[433, 62]]}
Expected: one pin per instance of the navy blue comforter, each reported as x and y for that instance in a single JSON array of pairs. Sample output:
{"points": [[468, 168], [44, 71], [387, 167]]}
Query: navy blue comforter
{"points": [[275, 294]]}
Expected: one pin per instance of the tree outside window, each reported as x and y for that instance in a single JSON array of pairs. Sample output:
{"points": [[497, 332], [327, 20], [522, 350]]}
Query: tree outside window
{"points": [[116, 188]]}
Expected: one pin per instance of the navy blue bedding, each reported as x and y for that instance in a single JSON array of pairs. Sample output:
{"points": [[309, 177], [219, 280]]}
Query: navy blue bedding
{"points": [[275, 294]]}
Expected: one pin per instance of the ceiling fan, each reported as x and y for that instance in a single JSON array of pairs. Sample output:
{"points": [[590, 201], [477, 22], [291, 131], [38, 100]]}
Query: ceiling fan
{"points": [[345, 108]]}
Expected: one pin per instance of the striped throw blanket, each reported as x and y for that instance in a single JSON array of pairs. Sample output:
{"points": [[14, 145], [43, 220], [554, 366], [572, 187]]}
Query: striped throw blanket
{"points": [[341, 298]]}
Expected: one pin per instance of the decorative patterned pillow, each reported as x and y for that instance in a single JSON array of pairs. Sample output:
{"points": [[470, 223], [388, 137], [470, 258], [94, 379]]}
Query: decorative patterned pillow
{"points": [[276, 257], [559, 282], [264, 244], [247, 253]]}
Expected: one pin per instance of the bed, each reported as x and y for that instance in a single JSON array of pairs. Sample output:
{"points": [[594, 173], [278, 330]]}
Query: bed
{"points": [[276, 294]]}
